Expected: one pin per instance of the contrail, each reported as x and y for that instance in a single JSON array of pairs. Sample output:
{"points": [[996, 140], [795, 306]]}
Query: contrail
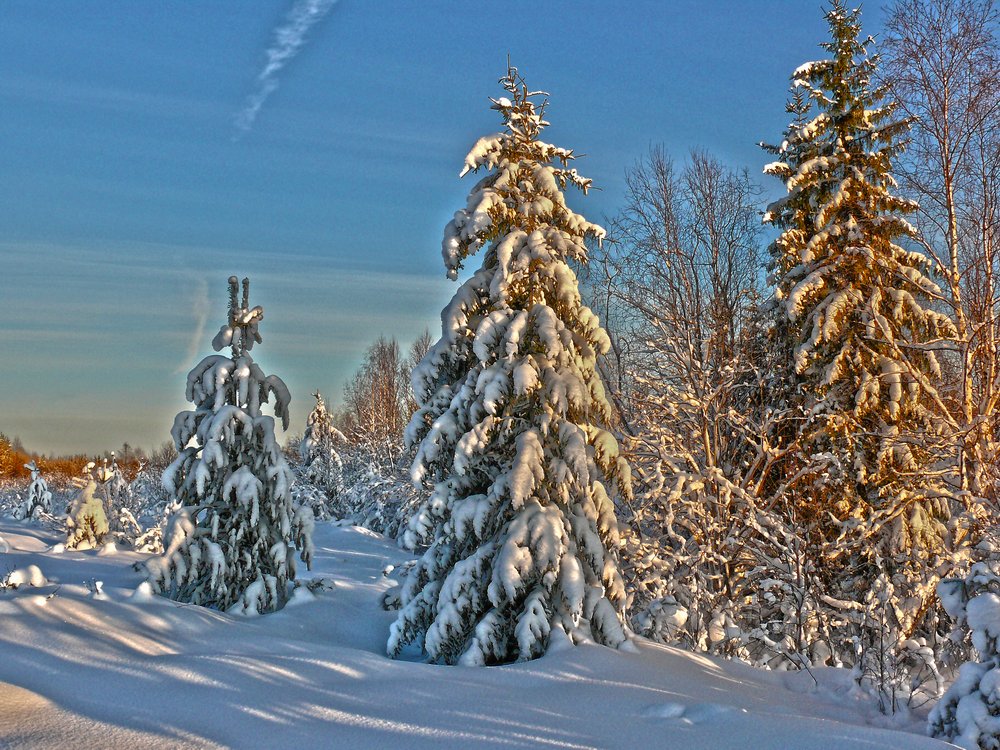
{"points": [[288, 40], [200, 306]]}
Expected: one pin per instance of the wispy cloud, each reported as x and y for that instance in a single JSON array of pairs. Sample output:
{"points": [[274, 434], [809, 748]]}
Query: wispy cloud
{"points": [[288, 40], [200, 306]]}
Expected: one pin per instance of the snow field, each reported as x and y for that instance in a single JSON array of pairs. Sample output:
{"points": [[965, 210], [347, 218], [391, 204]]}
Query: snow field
{"points": [[133, 670]]}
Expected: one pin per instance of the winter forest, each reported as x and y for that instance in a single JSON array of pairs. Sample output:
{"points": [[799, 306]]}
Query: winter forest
{"points": [[658, 476]]}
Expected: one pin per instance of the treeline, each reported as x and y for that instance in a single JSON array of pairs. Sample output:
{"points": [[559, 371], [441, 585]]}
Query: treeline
{"points": [[59, 471], [352, 461], [378, 400]]}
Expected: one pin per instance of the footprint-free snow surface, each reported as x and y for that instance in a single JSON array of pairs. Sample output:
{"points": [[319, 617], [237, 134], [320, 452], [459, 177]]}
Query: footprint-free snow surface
{"points": [[89, 658]]}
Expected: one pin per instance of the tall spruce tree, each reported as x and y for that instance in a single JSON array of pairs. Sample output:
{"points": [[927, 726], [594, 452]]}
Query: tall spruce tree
{"points": [[230, 546], [508, 435], [853, 311]]}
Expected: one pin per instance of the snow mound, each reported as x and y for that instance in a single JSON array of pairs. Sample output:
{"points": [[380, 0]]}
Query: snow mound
{"points": [[301, 595], [30, 720], [29, 576], [142, 594], [695, 713]]}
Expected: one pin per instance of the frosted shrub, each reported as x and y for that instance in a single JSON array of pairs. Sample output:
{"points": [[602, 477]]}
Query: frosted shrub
{"points": [[379, 495], [969, 713], [86, 520]]}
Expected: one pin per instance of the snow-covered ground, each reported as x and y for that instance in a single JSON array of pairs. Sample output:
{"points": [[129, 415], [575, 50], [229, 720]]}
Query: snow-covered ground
{"points": [[110, 666]]}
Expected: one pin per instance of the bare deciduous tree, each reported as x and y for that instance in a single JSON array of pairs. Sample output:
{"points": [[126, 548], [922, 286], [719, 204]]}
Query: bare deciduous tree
{"points": [[683, 255], [678, 285], [376, 400], [941, 59], [418, 349]]}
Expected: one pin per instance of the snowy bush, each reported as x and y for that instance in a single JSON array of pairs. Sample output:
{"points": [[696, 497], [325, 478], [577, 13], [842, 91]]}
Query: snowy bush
{"points": [[230, 546], [151, 502], [86, 519], [18, 578], [969, 712], [508, 431], [10, 498], [148, 495], [379, 495], [894, 669]]}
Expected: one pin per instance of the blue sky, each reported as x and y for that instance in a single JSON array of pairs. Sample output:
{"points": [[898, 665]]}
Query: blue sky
{"points": [[128, 195]]}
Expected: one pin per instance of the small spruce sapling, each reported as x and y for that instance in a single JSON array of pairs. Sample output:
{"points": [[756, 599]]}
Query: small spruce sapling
{"points": [[230, 545], [117, 495], [116, 488], [321, 460], [39, 499]]}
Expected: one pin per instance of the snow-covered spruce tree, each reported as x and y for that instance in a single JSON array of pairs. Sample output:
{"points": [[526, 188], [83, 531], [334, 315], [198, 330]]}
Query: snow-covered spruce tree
{"points": [[230, 545], [969, 712], [118, 501], [119, 493], [321, 460], [855, 307], [521, 472], [39, 499]]}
